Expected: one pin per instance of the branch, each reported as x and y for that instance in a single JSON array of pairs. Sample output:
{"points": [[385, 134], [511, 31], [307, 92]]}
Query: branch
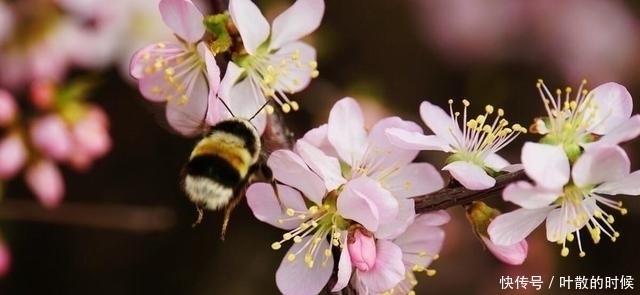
{"points": [[455, 194]]}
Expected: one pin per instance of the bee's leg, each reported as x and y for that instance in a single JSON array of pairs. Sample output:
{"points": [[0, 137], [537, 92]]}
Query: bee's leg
{"points": [[227, 213], [200, 215]]}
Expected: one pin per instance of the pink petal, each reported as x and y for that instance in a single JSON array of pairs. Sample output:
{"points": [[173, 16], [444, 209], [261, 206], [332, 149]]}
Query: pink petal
{"points": [[362, 251], [366, 202], [413, 180], [318, 138], [546, 164], [229, 80], [416, 140], [298, 73], [513, 227], [296, 278], [395, 227], [565, 220], [388, 270], [470, 175], [245, 102], [215, 109], [436, 218], [299, 20], [614, 106], [600, 164], [346, 130], [625, 186], [440, 122], [253, 27], [8, 107], [13, 155], [290, 169], [188, 118], [265, 206], [184, 18], [344, 268], [627, 130], [527, 196], [328, 168], [382, 152], [91, 136], [45, 180], [420, 243], [513, 254], [51, 136], [495, 162]]}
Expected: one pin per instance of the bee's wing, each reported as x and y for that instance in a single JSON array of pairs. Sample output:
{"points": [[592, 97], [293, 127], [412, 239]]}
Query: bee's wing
{"points": [[276, 134]]}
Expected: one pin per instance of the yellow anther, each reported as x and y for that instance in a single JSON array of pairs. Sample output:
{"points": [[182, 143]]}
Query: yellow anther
{"points": [[269, 109], [564, 252], [287, 236], [327, 252], [570, 237], [313, 209], [436, 257], [610, 219], [489, 109], [315, 74], [465, 102], [160, 45], [624, 211], [296, 54], [269, 92], [169, 71], [302, 216], [450, 101], [294, 105], [276, 245], [481, 119], [431, 272], [290, 212], [297, 239], [313, 64], [417, 268], [582, 254], [472, 124], [286, 108], [291, 257], [500, 112]]}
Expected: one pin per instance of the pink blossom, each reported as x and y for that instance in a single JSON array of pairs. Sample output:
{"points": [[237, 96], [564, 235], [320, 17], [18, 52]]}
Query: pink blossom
{"points": [[8, 108], [362, 250], [567, 198], [184, 75], [46, 182], [473, 147], [13, 155], [50, 135], [42, 94], [5, 259], [90, 133], [276, 62], [511, 254]]}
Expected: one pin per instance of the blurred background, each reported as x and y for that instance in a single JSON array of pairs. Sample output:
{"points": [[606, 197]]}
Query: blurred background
{"points": [[123, 225]]}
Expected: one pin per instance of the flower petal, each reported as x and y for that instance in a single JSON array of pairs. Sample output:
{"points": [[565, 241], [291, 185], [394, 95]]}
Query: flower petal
{"points": [[187, 116], [547, 165], [265, 205], [416, 140], [13, 154], [297, 278], [600, 164], [299, 20], [395, 227], [614, 106], [470, 175], [513, 254], [184, 19], [298, 73], [253, 27], [422, 237], [625, 186], [366, 202], [381, 152], [318, 138], [46, 182], [346, 130], [513, 227], [413, 180], [627, 130], [440, 122], [328, 168], [495, 162], [527, 196], [344, 267], [215, 108], [290, 169], [388, 270]]}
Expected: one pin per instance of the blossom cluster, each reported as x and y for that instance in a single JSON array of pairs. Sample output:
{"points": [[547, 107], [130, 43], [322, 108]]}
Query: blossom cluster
{"points": [[267, 62], [346, 192], [574, 167]]}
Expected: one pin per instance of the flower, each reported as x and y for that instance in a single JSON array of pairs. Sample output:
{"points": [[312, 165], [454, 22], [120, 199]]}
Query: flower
{"points": [[473, 147], [8, 108], [601, 115], [13, 155], [50, 135], [275, 62], [45, 180], [568, 198], [181, 73], [308, 264]]}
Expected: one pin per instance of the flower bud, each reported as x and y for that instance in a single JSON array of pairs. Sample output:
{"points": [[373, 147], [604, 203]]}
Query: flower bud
{"points": [[8, 108], [51, 137], [13, 154], [90, 134], [43, 94], [362, 250], [45, 180], [513, 254]]}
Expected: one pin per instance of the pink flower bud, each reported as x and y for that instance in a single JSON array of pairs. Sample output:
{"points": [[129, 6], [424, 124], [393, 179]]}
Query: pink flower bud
{"points": [[5, 259], [362, 251], [12, 155], [8, 108], [43, 94], [51, 136], [90, 134], [513, 254], [45, 180]]}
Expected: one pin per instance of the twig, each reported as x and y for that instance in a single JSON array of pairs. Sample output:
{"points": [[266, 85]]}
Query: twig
{"points": [[139, 219]]}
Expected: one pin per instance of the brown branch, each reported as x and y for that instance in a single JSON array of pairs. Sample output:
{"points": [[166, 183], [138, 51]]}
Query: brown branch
{"points": [[458, 195], [105, 216]]}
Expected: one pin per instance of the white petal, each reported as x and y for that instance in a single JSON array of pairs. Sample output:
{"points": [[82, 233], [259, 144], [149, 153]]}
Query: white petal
{"points": [[440, 122], [470, 175], [344, 267], [388, 270], [265, 206], [513, 227], [299, 20], [599, 164], [253, 27], [495, 162], [298, 74], [627, 130], [624, 186], [346, 130], [328, 168], [416, 140], [547, 165], [184, 18], [614, 106], [296, 278], [405, 217], [290, 169], [366, 202], [527, 196], [382, 154], [413, 180]]}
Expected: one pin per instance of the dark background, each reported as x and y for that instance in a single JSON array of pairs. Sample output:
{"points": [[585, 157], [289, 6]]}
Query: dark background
{"points": [[377, 51]]}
